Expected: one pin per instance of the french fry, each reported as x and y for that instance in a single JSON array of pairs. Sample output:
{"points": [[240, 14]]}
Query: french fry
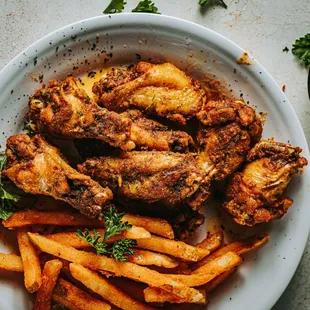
{"points": [[155, 294], [154, 225], [71, 238], [126, 269], [147, 258], [11, 262], [213, 284], [175, 248], [73, 298], [67, 218], [238, 247], [212, 242], [105, 289], [210, 270], [50, 275], [31, 263]]}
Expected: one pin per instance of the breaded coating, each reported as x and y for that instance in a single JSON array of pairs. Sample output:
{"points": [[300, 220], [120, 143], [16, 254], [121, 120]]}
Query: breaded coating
{"points": [[255, 195], [38, 168]]}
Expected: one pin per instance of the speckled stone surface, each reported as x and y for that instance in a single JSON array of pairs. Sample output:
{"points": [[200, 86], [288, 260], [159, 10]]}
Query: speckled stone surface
{"points": [[262, 27]]}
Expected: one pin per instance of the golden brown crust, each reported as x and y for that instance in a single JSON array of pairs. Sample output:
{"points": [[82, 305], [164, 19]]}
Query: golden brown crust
{"points": [[147, 176], [38, 168], [255, 195], [161, 90]]}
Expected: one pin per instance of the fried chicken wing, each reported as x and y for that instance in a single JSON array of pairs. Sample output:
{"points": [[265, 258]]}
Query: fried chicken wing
{"points": [[168, 177], [255, 195], [37, 167], [215, 113], [222, 149], [161, 90], [65, 110]]}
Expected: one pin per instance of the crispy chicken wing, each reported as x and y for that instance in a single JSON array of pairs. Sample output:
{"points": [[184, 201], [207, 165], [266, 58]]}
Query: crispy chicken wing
{"points": [[222, 149], [255, 195], [38, 168], [215, 113], [65, 110], [161, 90], [168, 177]]}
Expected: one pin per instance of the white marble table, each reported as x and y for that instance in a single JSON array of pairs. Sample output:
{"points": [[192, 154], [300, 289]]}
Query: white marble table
{"points": [[262, 27]]}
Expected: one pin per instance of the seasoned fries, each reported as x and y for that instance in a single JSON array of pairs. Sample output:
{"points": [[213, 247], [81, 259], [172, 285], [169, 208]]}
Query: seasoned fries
{"points": [[238, 247], [146, 258], [154, 294], [129, 270], [212, 242], [31, 263], [74, 298], [50, 274], [105, 289], [175, 248], [213, 284], [71, 238], [210, 270], [156, 226], [67, 218], [11, 262]]}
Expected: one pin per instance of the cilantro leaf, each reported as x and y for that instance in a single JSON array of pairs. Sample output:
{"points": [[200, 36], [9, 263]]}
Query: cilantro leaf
{"points": [[301, 49], [6, 199], [115, 6], [221, 2], [146, 6]]}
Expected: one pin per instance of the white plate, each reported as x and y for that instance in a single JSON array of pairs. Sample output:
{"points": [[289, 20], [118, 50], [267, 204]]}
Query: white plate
{"points": [[265, 273]]}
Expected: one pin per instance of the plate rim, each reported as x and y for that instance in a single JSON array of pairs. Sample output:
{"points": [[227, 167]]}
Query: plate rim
{"points": [[234, 50]]}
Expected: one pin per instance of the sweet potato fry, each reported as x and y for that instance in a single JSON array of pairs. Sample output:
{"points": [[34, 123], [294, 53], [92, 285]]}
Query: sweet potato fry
{"points": [[238, 247], [175, 248], [67, 218], [155, 294], [71, 238], [147, 258], [154, 225], [212, 242], [209, 271], [105, 289], [213, 284], [31, 263], [128, 270], [11, 262], [50, 275], [73, 298]]}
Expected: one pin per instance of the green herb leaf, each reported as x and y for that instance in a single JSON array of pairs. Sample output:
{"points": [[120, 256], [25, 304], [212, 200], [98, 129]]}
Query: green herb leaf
{"points": [[115, 6], [113, 223], [146, 6], [6, 199], [113, 226], [122, 247], [301, 49], [285, 49], [221, 2]]}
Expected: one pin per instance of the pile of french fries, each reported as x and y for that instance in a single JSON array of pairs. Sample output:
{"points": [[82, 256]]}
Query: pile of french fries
{"points": [[61, 268]]}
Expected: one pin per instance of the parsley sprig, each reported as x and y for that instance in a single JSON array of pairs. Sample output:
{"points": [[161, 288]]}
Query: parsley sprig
{"points": [[7, 200], [301, 49], [146, 6], [113, 226], [115, 6]]}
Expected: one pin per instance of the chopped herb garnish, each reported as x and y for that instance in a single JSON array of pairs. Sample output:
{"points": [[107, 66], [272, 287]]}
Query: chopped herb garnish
{"points": [[285, 49], [146, 6], [7, 200], [113, 226], [115, 6], [301, 49]]}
